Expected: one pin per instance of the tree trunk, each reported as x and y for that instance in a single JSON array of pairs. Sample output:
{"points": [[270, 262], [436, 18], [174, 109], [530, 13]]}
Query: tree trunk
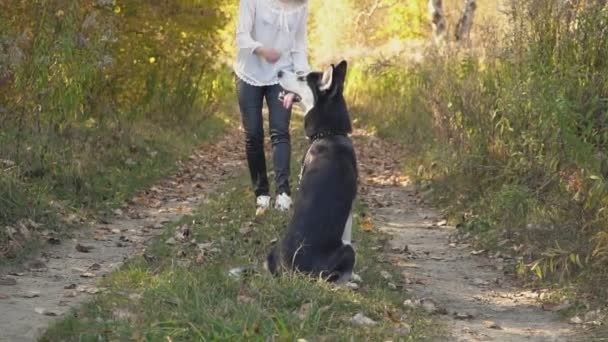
{"points": [[463, 29], [437, 19]]}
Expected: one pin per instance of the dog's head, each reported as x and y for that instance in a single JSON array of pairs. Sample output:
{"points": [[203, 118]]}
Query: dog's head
{"points": [[320, 96]]}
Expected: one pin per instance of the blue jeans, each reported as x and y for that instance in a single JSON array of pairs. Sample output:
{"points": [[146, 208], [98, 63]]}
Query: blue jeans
{"points": [[251, 102]]}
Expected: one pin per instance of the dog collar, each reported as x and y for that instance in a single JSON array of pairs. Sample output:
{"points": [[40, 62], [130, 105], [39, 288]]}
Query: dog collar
{"points": [[323, 134]]}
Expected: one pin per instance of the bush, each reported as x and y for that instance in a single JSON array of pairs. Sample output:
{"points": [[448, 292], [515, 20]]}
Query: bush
{"points": [[519, 129], [97, 98]]}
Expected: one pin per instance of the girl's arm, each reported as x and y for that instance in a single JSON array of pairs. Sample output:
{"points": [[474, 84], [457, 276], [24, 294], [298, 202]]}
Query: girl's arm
{"points": [[299, 53], [245, 26]]}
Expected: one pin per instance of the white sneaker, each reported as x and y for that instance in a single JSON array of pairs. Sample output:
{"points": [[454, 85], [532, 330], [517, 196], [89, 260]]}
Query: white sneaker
{"points": [[283, 202], [262, 204]]}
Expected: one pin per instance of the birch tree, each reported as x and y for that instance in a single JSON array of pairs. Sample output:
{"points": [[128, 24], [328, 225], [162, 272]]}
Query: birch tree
{"points": [[463, 29], [437, 20]]}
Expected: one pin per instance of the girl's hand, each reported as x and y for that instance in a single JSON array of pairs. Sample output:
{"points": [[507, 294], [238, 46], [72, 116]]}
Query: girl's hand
{"points": [[288, 100], [269, 54]]}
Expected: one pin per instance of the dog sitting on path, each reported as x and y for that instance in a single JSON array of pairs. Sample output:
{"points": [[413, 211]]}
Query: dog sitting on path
{"points": [[318, 238]]}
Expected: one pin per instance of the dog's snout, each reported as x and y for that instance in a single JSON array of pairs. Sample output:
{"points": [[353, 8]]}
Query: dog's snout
{"points": [[280, 74]]}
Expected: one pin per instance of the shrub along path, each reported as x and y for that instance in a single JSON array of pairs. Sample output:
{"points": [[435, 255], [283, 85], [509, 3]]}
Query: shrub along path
{"points": [[177, 286], [470, 291], [67, 273]]}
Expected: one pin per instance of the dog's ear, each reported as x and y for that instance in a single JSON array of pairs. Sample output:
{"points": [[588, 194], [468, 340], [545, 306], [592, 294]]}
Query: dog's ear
{"points": [[340, 72], [327, 78]]}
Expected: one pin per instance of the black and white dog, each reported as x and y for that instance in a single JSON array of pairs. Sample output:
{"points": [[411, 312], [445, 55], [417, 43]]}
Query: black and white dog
{"points": [[318, 239]]}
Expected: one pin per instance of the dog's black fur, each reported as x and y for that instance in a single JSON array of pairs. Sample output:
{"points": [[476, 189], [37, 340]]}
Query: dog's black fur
{"points": [[313, 243]]}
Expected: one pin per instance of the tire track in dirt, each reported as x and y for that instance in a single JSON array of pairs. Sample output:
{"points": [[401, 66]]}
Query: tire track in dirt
{"points": [[470, 293], [63, 276]]}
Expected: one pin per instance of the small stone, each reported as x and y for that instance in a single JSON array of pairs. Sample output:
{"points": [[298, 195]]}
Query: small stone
{"points": [[45, 312], [87, 275], [462, 315], [360, 319], [31, 294], [576, 320], [70, 294], [170, 241], [392, 286], [4, 296], [429, 306], [352, 285], [404, 330], [70, 286], [408, 303], [386, 275], [83, 248], [93, 290], [356, 278], [480, 282]]}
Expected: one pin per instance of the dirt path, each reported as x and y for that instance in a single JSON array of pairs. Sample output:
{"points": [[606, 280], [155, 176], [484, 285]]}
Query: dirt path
{"points": [[470, 292], [65, 275]]}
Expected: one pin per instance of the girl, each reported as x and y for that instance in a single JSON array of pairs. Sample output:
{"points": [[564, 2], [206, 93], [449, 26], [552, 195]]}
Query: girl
{"points": [[271, 36]]}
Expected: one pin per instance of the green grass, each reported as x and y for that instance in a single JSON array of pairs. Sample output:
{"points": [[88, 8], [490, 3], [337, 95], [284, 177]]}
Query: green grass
{"points": [[168, 295]]}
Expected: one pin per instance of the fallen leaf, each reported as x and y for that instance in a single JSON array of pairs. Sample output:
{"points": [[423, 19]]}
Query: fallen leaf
{"points": [[92, 290], [556, 307], [479, 252], [361, 319], [442, 223], [36, 266], [4, 296], [87, 275], [243, 299], [429, 306], [123, 314], [45, 312], [401, 249], [480, 282], [492, 325], [83, 248], [70, 287], [367, 225], [94, 267], [53, 241], [170, 241], [245, 230], [402, 263], [17, 274]]}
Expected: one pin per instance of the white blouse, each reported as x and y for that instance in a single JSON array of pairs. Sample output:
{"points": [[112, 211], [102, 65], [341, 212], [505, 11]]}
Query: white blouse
{"points": [[272, 24]]}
